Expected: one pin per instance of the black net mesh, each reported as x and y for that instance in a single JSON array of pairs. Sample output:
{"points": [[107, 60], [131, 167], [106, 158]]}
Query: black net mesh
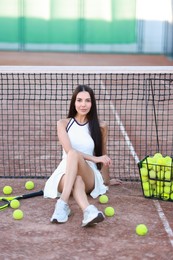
{"points": [[137, 107]]}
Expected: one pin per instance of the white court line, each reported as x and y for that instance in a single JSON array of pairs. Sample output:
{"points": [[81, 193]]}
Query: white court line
{"points": [[120, 124], [160, 212], [164, 221]]}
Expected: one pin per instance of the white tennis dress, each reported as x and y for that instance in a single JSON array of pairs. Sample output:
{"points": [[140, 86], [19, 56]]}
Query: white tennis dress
{"points": [[81, 140]]}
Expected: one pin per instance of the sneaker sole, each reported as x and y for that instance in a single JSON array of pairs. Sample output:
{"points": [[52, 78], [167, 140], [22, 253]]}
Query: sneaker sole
{"points": [[55, 221], [94, 221]]}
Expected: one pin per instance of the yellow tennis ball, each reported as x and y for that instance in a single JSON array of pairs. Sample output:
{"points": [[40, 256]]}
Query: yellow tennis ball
{"points": [[146, 185], [103, 199], [168, 175], [144, 172], [165, 196], [152, 174], [18, 214], [167, 189], [7, 190], [168, 184], [148, 193], [150, 162], [144, 178], [171, 196], [15, 204], [159, 189], [160, 175], [109, 211], [141, 230], [29, 185], [157, 156]]}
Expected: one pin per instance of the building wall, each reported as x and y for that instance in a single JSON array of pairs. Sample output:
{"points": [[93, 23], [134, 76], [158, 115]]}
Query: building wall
{"points": [[119, 26]]}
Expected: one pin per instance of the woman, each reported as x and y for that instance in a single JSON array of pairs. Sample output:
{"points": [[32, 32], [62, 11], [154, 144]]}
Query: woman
{"points": [[83, 141]]}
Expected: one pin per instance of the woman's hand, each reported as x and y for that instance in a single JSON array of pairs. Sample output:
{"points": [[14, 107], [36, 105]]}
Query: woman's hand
{"points": [[104, 159]]}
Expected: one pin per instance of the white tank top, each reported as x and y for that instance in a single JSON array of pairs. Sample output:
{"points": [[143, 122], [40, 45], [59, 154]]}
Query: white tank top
{"points": [[80, 137]]}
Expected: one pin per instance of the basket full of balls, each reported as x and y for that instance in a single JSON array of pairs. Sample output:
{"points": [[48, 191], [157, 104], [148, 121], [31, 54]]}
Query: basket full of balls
{"points": [[156, 175]]}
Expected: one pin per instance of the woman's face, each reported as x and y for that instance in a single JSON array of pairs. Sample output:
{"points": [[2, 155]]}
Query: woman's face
{"points": [[83, 103]]}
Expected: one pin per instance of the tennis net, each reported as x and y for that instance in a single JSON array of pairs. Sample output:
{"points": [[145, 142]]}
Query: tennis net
{"points": [[136, 103]]}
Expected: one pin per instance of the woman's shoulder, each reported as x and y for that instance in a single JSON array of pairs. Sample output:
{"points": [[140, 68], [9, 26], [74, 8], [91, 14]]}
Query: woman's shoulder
{"points": [[63, 122], [103, 127], [103, 124]]}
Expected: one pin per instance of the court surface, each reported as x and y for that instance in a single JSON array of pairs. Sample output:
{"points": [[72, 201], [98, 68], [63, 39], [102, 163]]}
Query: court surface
{"points": [[81, 59], [34, 237]]}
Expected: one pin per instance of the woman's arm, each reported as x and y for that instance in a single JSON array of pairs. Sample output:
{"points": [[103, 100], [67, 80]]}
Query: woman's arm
{"points": [[105, 167], [62, 134]]}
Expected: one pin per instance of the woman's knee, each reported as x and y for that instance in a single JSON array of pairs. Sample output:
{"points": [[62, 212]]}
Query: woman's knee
{"points": [[73, 154]]}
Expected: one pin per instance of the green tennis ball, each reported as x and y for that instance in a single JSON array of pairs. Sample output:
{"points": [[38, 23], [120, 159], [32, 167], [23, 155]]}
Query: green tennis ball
{"points": [[29, 185], [109, 211], [103, 199], [15, 204], [18, 214], [141, 230], [7, 190]]}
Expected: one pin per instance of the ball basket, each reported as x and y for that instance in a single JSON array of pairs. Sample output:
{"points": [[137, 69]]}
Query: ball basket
{"points": [[157, 177]]}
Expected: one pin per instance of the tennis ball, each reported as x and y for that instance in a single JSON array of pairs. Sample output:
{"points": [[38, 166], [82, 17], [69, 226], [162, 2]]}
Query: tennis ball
{"points": [[103, 199], [152, 182], [7, 190], [148, 193], [18, 214], [144, 164], [157, 156], [171, 196], [160, 175], [152, 174], [160, 183], [159, 189], [29, 185], [15, 204], [167, 189], [165, 196], [167, 175], [163, 164], [144, 178], [168, 159], [109, 211], [150, 162], [141, 230], [146, 185], [156, 167], [168, 184], [144, 172]]}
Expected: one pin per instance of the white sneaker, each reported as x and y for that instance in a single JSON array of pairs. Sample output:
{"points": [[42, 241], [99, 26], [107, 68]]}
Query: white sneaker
{"points": [[61, 212], [92, 216]]}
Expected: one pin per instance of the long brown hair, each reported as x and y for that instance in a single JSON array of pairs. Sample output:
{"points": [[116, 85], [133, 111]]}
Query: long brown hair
{"points": [[92, 117]]}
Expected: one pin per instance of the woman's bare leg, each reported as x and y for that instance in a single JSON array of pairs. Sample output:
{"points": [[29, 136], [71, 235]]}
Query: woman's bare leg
{"points": [[76, 165], [79, 193], [78, 180]]}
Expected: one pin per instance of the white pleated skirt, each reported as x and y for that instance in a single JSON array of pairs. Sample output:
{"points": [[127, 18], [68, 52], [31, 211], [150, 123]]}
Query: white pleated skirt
{"points": [[51, 191]]}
